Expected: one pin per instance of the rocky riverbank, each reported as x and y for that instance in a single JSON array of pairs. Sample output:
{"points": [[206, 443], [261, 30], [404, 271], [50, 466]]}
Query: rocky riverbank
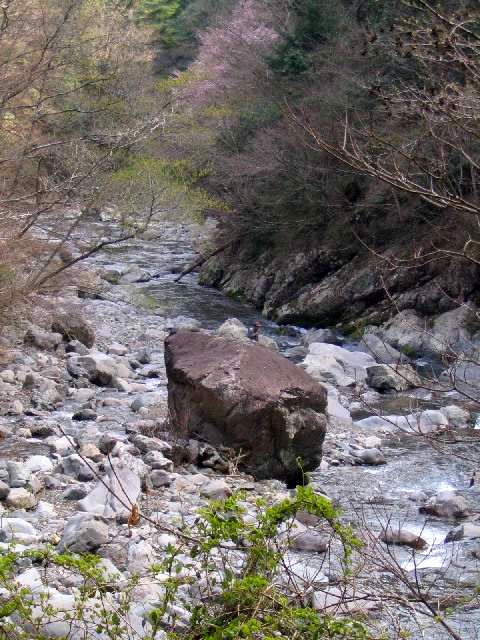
{"points": [[86, 438]]}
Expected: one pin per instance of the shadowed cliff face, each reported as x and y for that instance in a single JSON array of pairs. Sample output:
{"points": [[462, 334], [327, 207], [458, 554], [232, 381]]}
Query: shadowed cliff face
{"points": [[320, 287]]}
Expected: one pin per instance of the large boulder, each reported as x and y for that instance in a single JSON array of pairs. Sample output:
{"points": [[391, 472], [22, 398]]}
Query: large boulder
{"points": [[73, 327], [248, 398]]}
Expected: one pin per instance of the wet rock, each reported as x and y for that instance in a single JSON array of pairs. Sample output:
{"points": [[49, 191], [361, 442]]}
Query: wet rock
{"points": [[233, 329], [398, 377], [115, 495], [83, 533], [133, 275], [83, 415], [216, 490], [336, 365], [398, 536], [40, 339], [73, 327], [446, 504], [467, 530], [372, 457], [20, 498], [246, 398]]}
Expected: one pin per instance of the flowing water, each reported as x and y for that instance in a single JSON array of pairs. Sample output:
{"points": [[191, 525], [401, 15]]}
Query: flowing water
{"points": [[371, 495]]}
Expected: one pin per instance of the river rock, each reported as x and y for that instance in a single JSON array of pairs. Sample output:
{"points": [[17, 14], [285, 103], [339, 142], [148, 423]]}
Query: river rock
{"points": [[4, 489], [307, 540], [334, 364], [382, 351], [326, 336], [247, 398], [84, 415], [45, 340], [233, 329], [266, 341], [467, 530], [182, 323], [115, 495], [456, 416], [398, 377], [75, 467], [100, 368], [372, 457], [117, 349], [73, 327], [19, 474], [399, 536], [160, 478], [156, 460], [38, 463], [216, 490], [20, 498], [84, 533], [446, 504], [17, 529]]}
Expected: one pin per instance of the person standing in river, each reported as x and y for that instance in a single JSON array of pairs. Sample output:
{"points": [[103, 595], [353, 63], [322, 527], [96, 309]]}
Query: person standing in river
{"points": [[254, 331]]}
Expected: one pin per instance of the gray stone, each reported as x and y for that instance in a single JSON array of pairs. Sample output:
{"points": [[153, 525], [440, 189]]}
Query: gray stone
{"points": [[468, 530], [446, 504], [75, 492], [73, 327], [326, 336], [84, 533], [398, 377], [156, 460], [19, 474], [146, 444], [4, 489], [42, 339], [382, 351], [107, 443], [160, 478], [334, 364], [456, 416], [100, 368], [146, 400], [117, 349], [20, 498], [216, 490], [309, 540], [75, 467], [182, 323], [38, 463], [266, 341], [17, 529], [372, 457], [233, 329], [115, 495]]}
